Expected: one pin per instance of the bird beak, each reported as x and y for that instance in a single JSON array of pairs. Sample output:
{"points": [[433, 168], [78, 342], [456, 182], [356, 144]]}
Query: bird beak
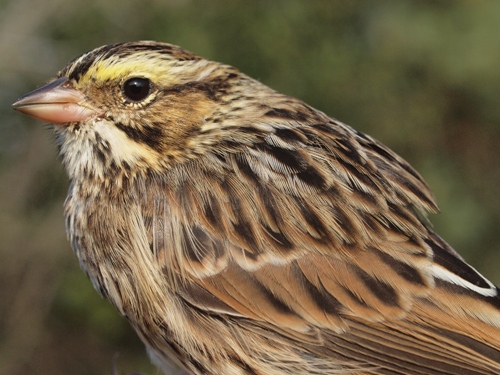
{"points": [[55, 102]]}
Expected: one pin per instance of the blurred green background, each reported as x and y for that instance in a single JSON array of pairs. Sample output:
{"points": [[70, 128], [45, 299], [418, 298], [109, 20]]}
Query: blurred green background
{"points": [[421, 76]]}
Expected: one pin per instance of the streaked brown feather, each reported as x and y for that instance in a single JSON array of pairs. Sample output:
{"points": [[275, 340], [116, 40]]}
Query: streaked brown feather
{"points": [[241, 231], [319, 278]]}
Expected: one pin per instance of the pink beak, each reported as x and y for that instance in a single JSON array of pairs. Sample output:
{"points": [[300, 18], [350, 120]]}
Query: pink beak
{"points": [[55, 102]]}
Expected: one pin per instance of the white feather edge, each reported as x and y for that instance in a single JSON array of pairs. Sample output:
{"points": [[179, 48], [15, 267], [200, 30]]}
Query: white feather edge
{"points": [[445, 275]]}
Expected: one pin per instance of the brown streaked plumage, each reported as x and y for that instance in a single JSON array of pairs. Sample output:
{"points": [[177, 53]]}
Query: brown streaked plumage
{"points": [[241, 231]]}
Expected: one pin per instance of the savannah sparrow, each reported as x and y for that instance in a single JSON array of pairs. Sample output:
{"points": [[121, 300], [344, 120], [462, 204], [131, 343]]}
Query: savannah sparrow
{"points": [[241, 231]]}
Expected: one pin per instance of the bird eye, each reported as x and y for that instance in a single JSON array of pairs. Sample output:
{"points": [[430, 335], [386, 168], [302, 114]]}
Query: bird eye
{"points": [[137, 89]]}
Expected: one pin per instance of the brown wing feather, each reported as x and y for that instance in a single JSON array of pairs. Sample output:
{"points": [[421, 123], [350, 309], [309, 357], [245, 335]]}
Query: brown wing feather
{"points": [[317, 227]]}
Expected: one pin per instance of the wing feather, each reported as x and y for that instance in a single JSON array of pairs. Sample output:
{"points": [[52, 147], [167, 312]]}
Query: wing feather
{"points": [[317, 233]]}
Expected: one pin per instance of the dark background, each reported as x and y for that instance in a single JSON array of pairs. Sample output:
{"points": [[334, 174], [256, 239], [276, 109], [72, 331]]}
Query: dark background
{"points": [[421, 76]]}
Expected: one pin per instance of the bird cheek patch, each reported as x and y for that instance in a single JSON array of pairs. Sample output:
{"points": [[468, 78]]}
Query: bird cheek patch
{"points": [[125, 149]]}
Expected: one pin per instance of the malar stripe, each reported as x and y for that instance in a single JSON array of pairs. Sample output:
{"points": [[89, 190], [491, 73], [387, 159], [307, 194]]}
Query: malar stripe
{"points": [[149, 135]]}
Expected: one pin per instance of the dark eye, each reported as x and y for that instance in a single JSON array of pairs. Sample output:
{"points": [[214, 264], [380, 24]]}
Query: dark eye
{"points": [[137, 89]]}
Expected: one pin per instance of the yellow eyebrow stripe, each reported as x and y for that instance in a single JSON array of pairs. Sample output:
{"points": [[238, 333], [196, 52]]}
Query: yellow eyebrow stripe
{"points": [[113, 69]]}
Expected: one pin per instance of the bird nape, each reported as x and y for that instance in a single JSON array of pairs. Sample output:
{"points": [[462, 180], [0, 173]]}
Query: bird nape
{"points": [[241, 231]]}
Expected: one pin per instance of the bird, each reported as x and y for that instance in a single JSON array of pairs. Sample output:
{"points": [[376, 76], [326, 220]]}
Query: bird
{"points": [[241, 231]]}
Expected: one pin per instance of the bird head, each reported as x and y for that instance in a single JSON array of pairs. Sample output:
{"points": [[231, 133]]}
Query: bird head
{"points": [[140, 106]]}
